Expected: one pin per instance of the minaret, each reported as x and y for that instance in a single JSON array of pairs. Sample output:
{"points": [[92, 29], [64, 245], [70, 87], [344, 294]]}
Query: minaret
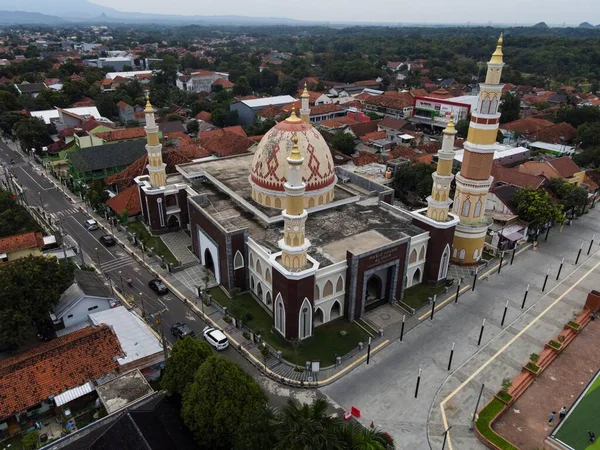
{"points": [[294, 245], [439, 201], [474, 180], [305, 108], [156, 167]]}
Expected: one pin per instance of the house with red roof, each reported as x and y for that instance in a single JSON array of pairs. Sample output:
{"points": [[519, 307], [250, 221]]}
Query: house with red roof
{"points": [[391, 104], [126, 112], [202, 81], [20, 246]]}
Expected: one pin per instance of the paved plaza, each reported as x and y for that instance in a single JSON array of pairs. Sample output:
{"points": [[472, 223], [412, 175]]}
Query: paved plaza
{"points": [[384, 390]]}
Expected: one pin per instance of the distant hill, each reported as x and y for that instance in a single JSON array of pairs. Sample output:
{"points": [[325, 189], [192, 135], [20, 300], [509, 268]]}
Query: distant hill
{"points": [[586, 25], [540, 25], [27, 18]]}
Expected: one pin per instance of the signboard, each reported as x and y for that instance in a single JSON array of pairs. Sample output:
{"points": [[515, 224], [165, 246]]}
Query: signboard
{"points": [[440, 110], [382, 257]]}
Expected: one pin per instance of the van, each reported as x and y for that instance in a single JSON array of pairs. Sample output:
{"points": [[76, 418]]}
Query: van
{"points": [[91, 225]]}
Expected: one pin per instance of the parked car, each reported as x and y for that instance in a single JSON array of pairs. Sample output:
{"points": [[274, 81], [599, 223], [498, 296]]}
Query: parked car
{"points": [[216, 338], [107, 240], [158, 286], [181, 330], [91, 225]]}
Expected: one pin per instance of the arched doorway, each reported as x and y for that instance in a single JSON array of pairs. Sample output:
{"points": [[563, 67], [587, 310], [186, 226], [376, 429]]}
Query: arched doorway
{"points": [[279, 314], [336, 311], [209, 262], [268, 299], [374, 285], [173, 221], [416, 279], [318, 320], [259, 291]]}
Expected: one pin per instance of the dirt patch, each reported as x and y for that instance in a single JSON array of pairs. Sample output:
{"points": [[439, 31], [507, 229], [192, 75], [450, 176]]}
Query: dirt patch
{"points": [[525, 424]]}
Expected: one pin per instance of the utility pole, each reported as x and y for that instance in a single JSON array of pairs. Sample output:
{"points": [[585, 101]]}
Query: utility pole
{"points": [[162, 336]]}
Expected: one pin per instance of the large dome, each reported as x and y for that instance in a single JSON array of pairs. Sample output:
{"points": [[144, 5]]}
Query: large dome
{"points": [[269, 166]]}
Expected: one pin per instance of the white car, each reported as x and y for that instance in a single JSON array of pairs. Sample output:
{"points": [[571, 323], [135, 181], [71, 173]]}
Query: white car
{"points": [[216, 338], [91, 225]]}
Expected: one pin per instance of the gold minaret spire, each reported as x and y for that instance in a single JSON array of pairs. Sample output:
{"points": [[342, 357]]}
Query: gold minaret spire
{"points": [[156, 167], [305, 108]]}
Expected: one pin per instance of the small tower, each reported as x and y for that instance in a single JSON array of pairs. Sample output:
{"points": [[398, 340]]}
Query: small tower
{"points": [[156, 167], [294, 245], [439, 201], [305, 108]]}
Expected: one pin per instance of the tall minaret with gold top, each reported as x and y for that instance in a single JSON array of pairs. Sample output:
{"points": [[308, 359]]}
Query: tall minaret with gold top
{"points": [[474, 180], [438, 203], [156, 167], [304, 107], [294, 245]]}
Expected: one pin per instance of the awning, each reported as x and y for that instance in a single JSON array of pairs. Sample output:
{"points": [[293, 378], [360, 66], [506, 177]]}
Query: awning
{"points": [[74, 393], [514, 237]]}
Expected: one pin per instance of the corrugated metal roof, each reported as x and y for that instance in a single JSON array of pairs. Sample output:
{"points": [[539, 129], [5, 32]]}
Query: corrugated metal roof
{"points": [[74, 393], [266, 101]]}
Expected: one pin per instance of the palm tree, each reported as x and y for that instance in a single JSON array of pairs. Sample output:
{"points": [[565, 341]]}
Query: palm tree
{"points": [[357, 437], [309, 427]]}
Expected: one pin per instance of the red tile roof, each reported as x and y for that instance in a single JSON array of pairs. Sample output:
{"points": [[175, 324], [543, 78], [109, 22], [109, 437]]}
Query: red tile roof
{"points": [[362, 128], [440, 93], [365, 158], [90, 124], [85, 101], [338, 122], [123, 105], [375, 135], [539, 168], [204, 115], [122, 134], [393, 124], [223, 82], [395, 100], [363, 96], [128, 200], [237, 129], [21, 242], [515, 177], [325, 109], [228, 143], [403, 151], [565, 166], [54, 367], [541, 130], [366, 83]]}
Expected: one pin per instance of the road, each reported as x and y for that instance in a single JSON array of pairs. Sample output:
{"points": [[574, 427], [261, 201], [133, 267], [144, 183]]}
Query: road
{"points": [[116, 266]]}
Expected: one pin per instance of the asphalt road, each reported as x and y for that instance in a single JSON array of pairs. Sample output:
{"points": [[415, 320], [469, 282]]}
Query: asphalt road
{"points": [[116, 266]]}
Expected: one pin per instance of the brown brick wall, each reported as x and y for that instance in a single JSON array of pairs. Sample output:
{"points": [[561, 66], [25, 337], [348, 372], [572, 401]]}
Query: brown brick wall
{"points": [[293, 293], [477, 166]]}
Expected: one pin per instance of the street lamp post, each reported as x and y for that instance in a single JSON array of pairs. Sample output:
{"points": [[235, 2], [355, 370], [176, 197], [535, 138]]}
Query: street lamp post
{"points": [[41, 202], [98, 258], [143, 305], [121, 278], [445, 437]]}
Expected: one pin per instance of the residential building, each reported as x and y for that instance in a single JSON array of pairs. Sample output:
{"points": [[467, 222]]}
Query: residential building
{"points": [[126, 112], [31, 89], [247, 109], [53, 374], [200, 81], [97, 163], [118, 63], [562, 167], [435, 112], [503, 154], [398, 105], [86, 295], [21, 246], [534, 129]]}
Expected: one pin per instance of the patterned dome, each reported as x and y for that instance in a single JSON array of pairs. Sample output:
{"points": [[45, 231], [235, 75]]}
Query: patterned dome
{"points": [[269, 166]]}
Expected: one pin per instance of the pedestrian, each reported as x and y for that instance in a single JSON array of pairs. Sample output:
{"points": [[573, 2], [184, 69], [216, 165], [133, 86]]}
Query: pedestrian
{"points": [[551, 418], [562, 413], [592, 436]]}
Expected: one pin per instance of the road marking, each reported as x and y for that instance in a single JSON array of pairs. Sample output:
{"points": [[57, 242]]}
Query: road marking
{"points": [[33, 179], [467, 287], [117, 263], [94, 237], [504, 347]]}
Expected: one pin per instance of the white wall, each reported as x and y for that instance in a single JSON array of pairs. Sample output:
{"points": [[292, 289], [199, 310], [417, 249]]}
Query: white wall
{"points": [[419, 244], [206, 243], [79, 313], [264, 276], [331, 273]]}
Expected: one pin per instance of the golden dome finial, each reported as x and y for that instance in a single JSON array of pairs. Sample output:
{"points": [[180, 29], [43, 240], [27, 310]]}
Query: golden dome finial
{"points": [[149, 107], [295, 154], [450, 127], [293, 117], [497, 55], [305, 91]]}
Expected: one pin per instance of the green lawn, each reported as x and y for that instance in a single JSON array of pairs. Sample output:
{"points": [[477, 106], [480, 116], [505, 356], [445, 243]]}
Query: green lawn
{"points": [[152, 241], [417, 296], [573, 431], [327, 343], [483, 425]]}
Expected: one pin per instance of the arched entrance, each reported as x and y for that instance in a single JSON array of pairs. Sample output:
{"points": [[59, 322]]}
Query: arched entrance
{"points": [[209, 262], [173, 221], [374, 285], [336, 311], [318, 320], [416, 279]]}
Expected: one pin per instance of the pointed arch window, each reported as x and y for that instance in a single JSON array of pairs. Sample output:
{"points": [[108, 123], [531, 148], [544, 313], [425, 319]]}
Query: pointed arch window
{"points": [[413, 256], [466, 208], [443, 270], [328, 289], [477, 210], [340, 284], [280, 314], [259, 268], [305, 320], [238, 260], [268, 276], [422, 254]]}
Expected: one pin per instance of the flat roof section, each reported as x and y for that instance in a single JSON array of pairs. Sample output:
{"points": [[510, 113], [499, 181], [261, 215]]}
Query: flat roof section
{"points": [[357, 244]]}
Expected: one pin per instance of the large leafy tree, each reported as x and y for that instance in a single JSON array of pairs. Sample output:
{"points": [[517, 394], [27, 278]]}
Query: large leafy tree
{"points": [[242, 87], [258, 432], [303, 426], [218, 400], [510, 107], [570, 195], [186, 357], [29, 287], [32, 133], [589, 134], [589, 157], [344, 142], [536, 206], [414, 179], [14, 219]]}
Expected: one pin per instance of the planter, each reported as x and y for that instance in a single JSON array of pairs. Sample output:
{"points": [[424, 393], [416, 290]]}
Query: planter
{"points": [[555, 345], [574, 326], [504, 397], [533, 368]]}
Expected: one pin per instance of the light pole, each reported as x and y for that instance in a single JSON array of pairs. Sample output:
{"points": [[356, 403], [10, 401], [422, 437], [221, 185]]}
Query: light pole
{"points": [[143, 306], [98, 258], [41, 202], [445, 437], [121, 278]]}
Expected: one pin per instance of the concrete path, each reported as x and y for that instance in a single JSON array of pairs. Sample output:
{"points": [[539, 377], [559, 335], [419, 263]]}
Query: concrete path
{"points": [[178, 242], [384, 391]]}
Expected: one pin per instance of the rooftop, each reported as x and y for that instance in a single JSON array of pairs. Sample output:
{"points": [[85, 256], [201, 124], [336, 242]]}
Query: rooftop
{"points": [[108, 155], [49, 114], [266, 101], [21, 242], [54, 367], [123, 390]]}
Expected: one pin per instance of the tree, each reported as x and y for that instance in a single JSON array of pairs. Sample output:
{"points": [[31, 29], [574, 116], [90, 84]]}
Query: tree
{"points": [[14, 218], [258, 432], [222, 117], [220, 398], [8, 101], [242, 87], [570, 195], [462, 128], [259, 127], [589, 157], [192, 127], [303, 426], [414, 179], [536, 206], [187, 356], [8, 120], [268, 80], [32, 133], [29, 288], [510, 107], [343, 142], [589, 134], [97, 195], [357, 437]]}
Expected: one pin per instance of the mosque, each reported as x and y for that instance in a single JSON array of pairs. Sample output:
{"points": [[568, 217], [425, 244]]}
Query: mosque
{"points": [[305, 236]]}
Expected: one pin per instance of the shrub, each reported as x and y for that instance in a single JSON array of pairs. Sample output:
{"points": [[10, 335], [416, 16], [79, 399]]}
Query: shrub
{"points": [[534, 357], [29, 441], [504, 396], [226, 319], [532, 366], [555, 345], [574, 325], [561, 338], [506, 384], [246, 335], [483, 425]]}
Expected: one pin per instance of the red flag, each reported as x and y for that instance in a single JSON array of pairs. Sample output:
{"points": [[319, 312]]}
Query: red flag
{"points": [[372, 424]]}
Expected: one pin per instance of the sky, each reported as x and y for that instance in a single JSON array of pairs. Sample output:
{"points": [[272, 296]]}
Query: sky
{"points": [[553, 12]]}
